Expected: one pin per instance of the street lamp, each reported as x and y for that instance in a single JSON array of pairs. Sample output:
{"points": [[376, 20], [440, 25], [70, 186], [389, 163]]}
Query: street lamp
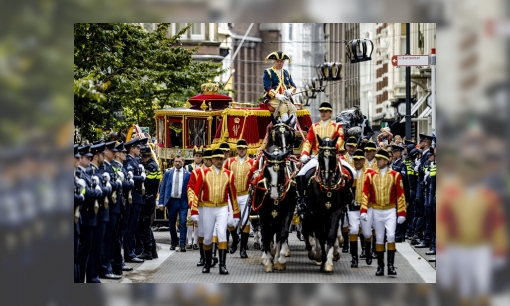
{"points": [[357, 50]]}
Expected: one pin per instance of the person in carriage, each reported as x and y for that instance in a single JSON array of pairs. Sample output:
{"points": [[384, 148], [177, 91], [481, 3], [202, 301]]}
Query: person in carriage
{"points": [[278, 87]]}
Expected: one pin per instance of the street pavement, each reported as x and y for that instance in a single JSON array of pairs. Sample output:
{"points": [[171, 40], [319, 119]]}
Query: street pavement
{"points": [[176, 267]]}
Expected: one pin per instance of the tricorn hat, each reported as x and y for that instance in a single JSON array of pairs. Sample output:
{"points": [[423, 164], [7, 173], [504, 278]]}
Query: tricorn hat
{"points": [[277, 55]]}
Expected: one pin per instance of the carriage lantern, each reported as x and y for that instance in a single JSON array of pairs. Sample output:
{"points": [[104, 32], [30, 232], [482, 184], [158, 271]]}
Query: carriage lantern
{"points": [[330, 71], [317, 84], [310, 93], [357, 50]]}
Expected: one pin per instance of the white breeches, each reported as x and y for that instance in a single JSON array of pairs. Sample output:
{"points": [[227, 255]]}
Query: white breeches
{"points": [[473, 269], [385, 219], [200, 223], [212, 217], [355, 221]]}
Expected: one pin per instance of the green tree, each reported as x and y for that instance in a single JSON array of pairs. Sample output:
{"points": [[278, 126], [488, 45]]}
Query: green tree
{"points": [[124, 68]]}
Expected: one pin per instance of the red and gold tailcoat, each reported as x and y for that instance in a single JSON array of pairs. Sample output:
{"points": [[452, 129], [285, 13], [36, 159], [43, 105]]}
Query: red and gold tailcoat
{"points": [[210, 189], [470, 217], [242, 173], [383, 192], [358, 184], [331, 130], [350, 161], [372, 165]]}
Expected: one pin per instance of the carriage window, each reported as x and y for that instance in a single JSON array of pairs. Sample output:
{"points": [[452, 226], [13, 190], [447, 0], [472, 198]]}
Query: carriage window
{"points": [[197, 132], [175, 131]]}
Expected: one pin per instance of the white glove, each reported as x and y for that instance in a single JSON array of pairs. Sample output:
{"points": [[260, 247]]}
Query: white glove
{"points": [[82, 183], [304, 159], [109, 186], [98, 189], [281, 97], [130, 175], [106, 176], [118, 181], [141, 168], [194, 218], [120, 174], [131, 181], [401, 219], [235, 222], [364, 216], [289, 92], [95, 179], [143, 175]]}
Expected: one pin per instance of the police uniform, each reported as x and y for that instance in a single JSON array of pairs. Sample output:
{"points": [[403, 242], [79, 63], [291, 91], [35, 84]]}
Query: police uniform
{"points": [[124, 205], [132, 165], [354, 216], [384, 189], [421, 221], [209, 190], [412, 180], [399, 166], [112, 227], [430, 204], [79, 199], [241, 168], [193, 226], [151, 192], [103, 217], [276, 82]]}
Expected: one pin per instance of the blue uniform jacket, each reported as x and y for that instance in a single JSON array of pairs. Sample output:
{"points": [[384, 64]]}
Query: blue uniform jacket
{"points": [[87, 216], [165, 189], [103, 214], [131, 164], [272, 84], [114, 208]]}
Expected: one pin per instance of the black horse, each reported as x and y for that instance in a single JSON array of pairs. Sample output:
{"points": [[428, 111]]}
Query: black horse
{"points": [[282, 134], [326, 196], [274, 199]]}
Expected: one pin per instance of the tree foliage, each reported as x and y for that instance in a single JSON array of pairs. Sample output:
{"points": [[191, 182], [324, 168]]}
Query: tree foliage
{"points": [[124, 69]]}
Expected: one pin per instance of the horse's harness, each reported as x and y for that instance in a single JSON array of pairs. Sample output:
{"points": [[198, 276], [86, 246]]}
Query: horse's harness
{"points": [[326, 150], [259, 183]]}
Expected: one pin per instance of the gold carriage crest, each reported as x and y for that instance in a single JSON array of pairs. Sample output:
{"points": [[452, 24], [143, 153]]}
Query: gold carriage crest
{"points": [[236, 126], [328, 205], [274, 213]]}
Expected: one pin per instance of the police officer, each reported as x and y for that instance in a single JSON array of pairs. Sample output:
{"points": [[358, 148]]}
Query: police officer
{"points": [[138, 175], [88, 211], [425, 144], [112, 226], [399, 166], [96, 170], [412, 181], [151, 191], [79, 199], [124, 201], [430, 200]]}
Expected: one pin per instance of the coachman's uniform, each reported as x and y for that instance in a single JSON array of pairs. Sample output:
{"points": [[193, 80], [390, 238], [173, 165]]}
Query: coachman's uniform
{"points": [[208, 193], [384, 190], [241, 168], [276, 82], [192, 227], [354, 216]]}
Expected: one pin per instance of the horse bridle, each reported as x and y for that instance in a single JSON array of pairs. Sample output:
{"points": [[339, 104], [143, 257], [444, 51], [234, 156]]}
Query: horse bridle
{"points": [[327, 153], [282, 127]]}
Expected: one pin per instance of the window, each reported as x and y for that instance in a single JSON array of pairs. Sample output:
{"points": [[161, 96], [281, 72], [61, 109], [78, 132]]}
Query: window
{"points": [[198, 31], [178, 27], [290, 32]]}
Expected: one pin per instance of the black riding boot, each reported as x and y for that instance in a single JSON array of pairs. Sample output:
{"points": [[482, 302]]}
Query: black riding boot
{"points": [[153, 251], [354, 253], [235, 241], [201, 262], [380, 264], [301, 206], [368, 247], [214, 258], [374, 255], [244, 243], [223, 259], [362, 242], [208, 259], [345, 245], [391, 262]]}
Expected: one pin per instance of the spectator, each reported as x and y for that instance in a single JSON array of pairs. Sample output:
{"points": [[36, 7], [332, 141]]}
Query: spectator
{"points": [[385, 136], [398, 140]]}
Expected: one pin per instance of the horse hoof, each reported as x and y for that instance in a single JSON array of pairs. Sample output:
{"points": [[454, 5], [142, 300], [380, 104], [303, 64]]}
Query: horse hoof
{"points": [[273, 252], [311, 255], [287, 254], [328, 268], [280, 266], [268, 268], [318, 263], [318, 258], [336, 257]]}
